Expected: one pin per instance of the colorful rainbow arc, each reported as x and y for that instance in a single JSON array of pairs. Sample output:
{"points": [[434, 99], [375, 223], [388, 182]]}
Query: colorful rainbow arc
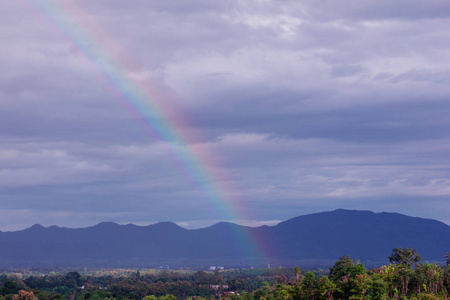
{"points": [[138, 99]]}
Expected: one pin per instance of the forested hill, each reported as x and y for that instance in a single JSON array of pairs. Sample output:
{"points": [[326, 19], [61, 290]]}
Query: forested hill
{"points": [[315, 239]]}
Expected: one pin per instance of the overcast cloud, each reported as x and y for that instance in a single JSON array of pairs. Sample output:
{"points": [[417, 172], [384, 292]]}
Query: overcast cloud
{"points": [[301, 107]]}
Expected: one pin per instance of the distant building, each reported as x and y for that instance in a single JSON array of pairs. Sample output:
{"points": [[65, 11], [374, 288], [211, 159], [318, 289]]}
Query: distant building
{"points": [[219, 289]]}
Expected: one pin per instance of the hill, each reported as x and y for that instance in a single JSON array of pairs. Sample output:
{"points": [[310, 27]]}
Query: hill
{"points": [[311, 240]]}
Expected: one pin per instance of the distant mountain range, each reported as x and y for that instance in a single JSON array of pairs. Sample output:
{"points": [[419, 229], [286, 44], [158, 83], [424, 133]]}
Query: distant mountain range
{"points": [[310, 240]]}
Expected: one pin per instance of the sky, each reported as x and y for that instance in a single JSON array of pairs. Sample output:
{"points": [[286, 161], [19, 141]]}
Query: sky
{"points": [[202, 111]]}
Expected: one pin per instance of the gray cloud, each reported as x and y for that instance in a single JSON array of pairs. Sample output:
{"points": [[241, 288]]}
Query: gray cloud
{"points": [[295, 107]]}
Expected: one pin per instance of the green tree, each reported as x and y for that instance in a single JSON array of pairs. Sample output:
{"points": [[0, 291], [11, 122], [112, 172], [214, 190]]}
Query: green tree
{"points": [[359, 286], [10, 287], [429, 278], [73, 280], [346, 267], [343, 274], [281, 292], [326, 287], [404, 259], [298, 274], [308, 285], [405, 256], [378, 288]]}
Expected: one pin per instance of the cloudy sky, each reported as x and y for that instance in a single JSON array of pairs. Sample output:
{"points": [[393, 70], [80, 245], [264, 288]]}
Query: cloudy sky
{"points": [[284, 108]]}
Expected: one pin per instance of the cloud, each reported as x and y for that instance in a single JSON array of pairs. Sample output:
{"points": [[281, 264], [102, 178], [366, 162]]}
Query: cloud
{"points": [[294, 107]]}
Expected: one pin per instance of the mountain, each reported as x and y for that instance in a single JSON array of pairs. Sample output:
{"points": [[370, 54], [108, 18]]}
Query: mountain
{"points": [[314, 240], [361, 234]]}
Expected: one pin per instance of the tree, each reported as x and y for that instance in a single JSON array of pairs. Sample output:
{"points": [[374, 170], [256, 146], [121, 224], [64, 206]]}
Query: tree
{"points": [[346, 267], [360, 285], [298, 274], [10, 287], [407, 257], [404, 259], [343, 274], [429, 278], [24, 295], [309, 284], [73, 280], [326, 287], [378, 289], [447, 259], [389, 275]]}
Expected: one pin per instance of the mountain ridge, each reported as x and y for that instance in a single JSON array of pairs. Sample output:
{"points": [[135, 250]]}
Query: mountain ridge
{"points": [[103, 223], [323, 236]]}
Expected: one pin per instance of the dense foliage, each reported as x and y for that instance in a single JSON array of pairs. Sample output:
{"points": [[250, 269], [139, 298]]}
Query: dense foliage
{"points": [[405, 278]]}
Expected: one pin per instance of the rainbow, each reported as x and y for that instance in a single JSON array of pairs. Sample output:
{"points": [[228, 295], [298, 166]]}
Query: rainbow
{"points": [[147, 107]]}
